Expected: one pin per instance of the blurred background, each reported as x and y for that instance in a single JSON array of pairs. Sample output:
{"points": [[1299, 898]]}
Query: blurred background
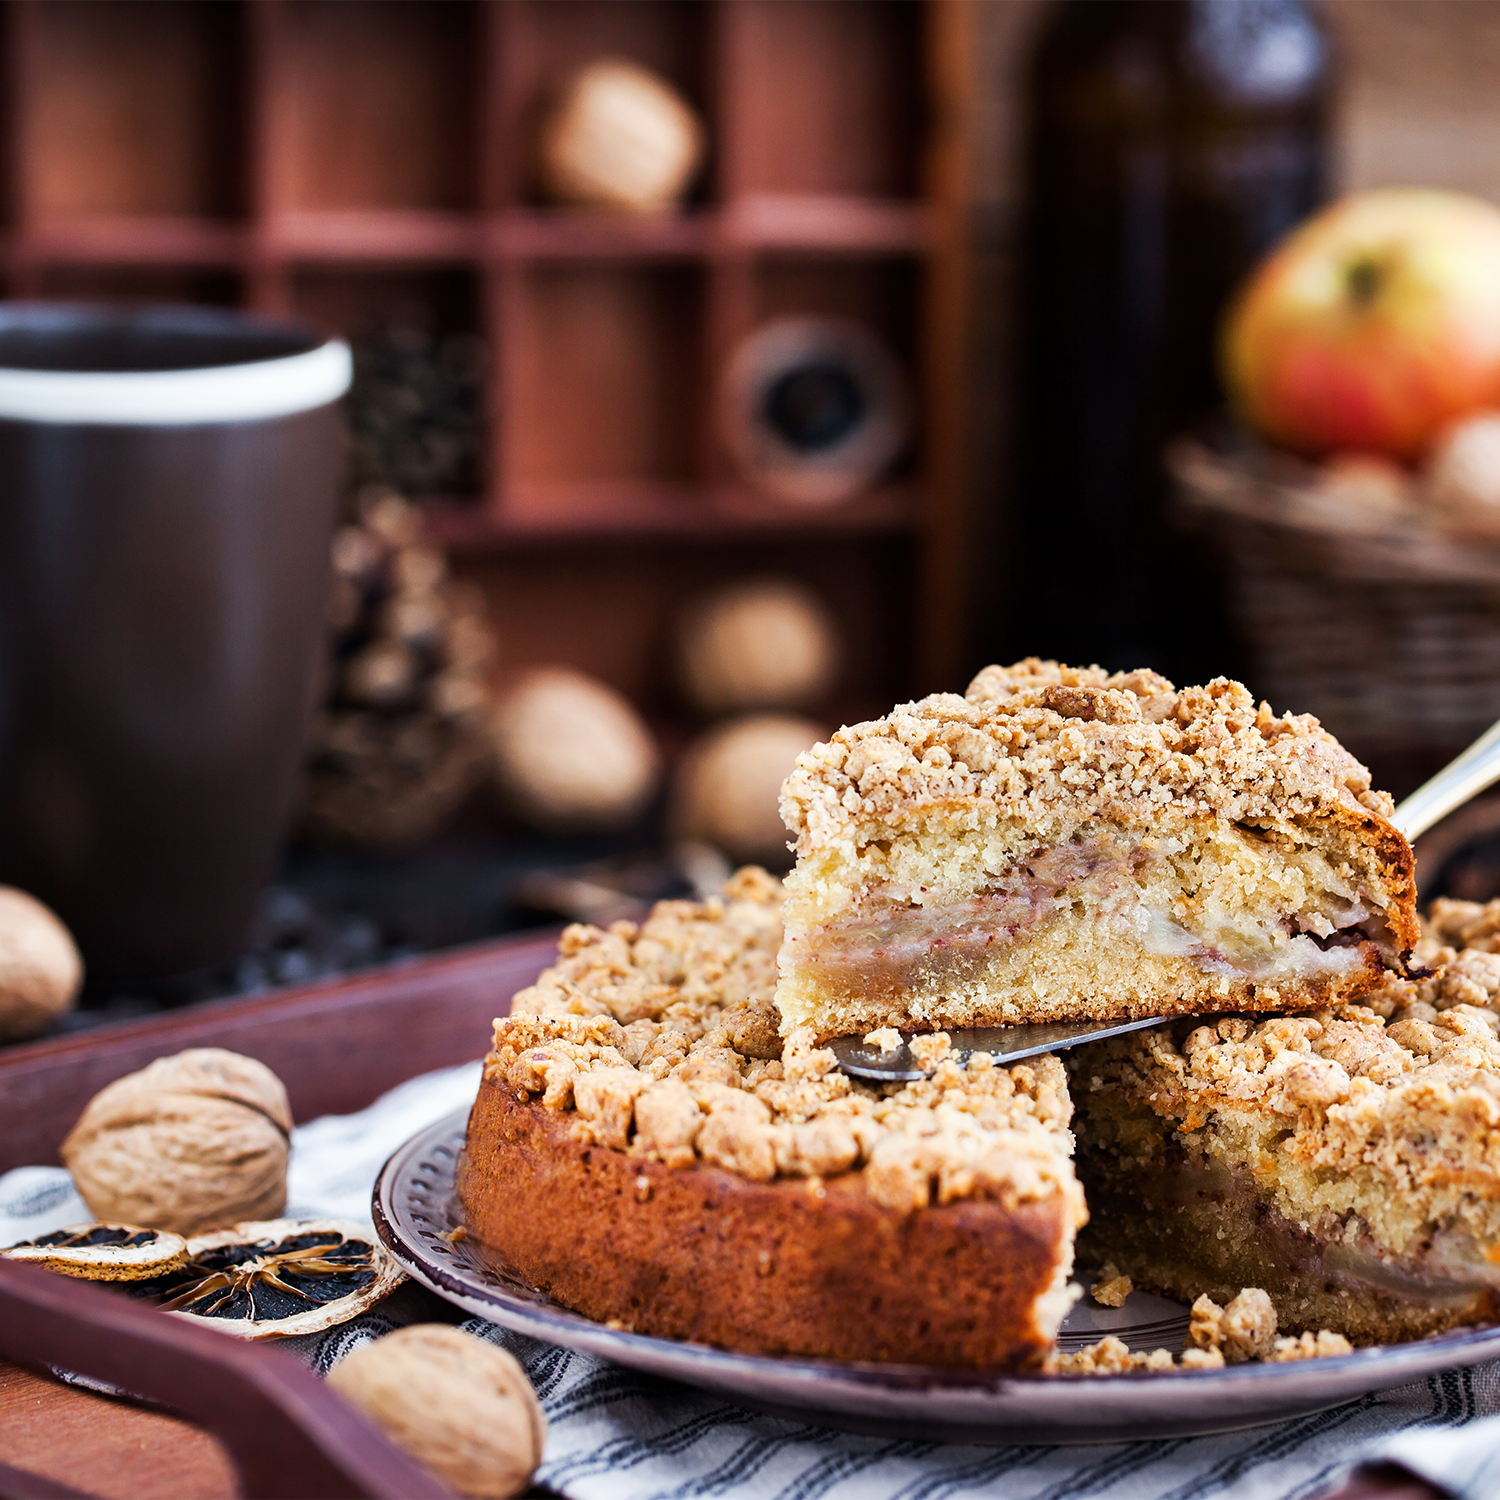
{"points": [[728, 371]]}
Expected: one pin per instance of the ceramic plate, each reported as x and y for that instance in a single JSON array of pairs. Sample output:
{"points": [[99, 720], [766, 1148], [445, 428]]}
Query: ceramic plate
{"points": [[415, 1205]]}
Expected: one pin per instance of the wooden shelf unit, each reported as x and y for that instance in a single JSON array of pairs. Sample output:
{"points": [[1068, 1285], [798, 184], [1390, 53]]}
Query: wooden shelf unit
{"points": [[341, 159]]}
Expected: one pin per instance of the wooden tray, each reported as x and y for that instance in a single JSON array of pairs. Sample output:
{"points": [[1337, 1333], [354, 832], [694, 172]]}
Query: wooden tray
{"points": [[337, 1046]]}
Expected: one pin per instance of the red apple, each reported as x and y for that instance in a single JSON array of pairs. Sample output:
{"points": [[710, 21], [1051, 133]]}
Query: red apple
{"points": [[1372, 326]]}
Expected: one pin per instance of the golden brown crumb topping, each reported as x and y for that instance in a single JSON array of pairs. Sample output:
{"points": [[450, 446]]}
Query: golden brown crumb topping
{"points": [[660, 1040], [1030, 738], [1408, 1083], [1244, 1330]]}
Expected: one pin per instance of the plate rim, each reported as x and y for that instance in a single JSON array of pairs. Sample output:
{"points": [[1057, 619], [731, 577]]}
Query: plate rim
{"points": [[1405, 1362]]}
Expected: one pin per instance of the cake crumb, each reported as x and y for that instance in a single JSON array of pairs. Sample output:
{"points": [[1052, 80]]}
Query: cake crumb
{"points": [[1244, 1330], [1110, 1356], [887, 1038], [1112, 1288], [1202, 1359], [930, 1050], [1322, 1346], [643, 1189], [1205, 1325]]}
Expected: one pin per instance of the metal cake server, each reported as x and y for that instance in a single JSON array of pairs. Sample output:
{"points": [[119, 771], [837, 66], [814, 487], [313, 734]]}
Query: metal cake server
{"points": [[1462, 778]]}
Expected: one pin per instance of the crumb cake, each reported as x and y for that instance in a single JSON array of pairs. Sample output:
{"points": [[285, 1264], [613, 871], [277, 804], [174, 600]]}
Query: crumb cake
{"points": [[1061, 843], [1347, 1161], [647, 1149]]}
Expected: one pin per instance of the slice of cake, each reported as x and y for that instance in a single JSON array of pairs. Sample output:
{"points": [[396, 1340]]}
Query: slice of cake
{"points": [[1064, 844], [1348, 1162], [645, 1149]]}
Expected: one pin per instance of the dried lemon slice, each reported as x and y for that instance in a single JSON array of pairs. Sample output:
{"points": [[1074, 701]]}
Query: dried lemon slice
{"points": [[273, 1278], [104, 1252]]}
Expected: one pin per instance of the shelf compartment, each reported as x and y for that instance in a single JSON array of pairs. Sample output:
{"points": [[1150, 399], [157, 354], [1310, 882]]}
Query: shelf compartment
{"points": [[558, 514], [825, 98], [414, 423], [124, 240], [881, 294], [548, 42], [583, 234], [826, 223], [548, 606], [353, 236], [604, 380], [374, 105], [128, 107], [772, 223]]}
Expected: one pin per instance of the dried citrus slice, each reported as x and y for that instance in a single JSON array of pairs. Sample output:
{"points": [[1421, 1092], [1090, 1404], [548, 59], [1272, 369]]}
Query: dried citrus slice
{"points": [[272, 1278], [104, 1252]]}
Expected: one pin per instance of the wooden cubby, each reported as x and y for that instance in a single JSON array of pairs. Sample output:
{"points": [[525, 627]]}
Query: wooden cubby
{"points": [[347, 159]]}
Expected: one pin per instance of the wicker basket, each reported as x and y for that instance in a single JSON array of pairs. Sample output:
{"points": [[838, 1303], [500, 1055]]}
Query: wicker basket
{"points": [[1385, 627]]}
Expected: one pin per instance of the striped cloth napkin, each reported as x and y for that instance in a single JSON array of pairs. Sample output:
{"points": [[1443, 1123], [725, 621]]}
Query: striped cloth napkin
{"points": [[617, 1435]]}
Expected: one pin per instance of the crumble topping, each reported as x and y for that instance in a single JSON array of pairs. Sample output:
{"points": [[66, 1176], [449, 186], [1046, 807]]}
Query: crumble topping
{"points": [[660, 1040], [1244, 1330], [1111, 1289], [1039, 735]]}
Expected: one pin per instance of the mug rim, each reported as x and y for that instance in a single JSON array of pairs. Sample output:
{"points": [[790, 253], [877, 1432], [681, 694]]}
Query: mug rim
{"points": [[304, 368]]}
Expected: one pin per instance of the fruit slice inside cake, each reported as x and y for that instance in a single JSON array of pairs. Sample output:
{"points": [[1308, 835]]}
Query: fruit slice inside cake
{"points": [[1065, 844]]}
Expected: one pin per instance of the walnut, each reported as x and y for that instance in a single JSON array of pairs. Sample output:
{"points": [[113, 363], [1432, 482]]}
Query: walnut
{"points": [[571, 752], [192, 1142], [620, 136], [458, 1405], [728, 788], [40, 970], [766, 643]]}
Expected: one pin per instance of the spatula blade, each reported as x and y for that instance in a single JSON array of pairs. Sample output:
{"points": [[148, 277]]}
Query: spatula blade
{"points": [[1006, 1044]]}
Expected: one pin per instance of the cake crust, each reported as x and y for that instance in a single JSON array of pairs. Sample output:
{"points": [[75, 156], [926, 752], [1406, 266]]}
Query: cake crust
{"points": [[786, 1267], [1062, 843]]}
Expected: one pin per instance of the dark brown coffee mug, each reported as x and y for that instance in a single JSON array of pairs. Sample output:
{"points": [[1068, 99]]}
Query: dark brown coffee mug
{"points": [[169, 483]]}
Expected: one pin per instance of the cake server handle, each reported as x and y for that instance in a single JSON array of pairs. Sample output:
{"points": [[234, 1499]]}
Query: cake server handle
{"points": [[1468, 775]]}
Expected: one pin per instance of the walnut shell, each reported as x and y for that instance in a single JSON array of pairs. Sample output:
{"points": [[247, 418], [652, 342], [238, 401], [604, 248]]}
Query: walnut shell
{"points": [[40, 970], [729, 787], [191, 1142], [765, 643], [571, 752], [620, 136], [458, 1405]]}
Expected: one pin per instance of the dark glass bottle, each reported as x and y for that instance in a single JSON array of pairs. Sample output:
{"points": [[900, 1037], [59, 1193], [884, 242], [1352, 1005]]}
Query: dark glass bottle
{"points": [[1170, 143]]}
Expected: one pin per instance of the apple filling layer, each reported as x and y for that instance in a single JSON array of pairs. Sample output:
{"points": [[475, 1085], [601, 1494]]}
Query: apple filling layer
{"points": [[1106, 921]]}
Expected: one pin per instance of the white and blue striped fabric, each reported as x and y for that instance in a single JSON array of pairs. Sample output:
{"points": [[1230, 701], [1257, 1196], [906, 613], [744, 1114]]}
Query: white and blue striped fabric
{"points": [[617, 1435]]}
